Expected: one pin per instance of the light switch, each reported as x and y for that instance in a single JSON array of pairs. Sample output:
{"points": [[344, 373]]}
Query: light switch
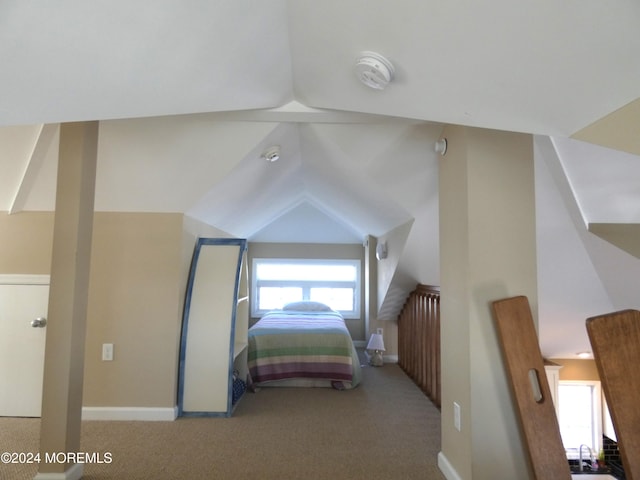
{"points": [[456, 417], [107, 352]]}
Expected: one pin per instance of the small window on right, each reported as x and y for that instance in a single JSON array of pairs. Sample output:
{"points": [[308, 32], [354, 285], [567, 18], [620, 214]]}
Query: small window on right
{"points": [[580, 416]]}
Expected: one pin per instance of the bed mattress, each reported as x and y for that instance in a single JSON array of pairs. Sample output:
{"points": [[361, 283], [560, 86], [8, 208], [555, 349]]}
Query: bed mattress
{"points": [[302, 349]]}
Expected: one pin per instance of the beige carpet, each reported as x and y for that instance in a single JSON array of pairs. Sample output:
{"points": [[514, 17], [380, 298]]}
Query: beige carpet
{"points": [[384, 429]]}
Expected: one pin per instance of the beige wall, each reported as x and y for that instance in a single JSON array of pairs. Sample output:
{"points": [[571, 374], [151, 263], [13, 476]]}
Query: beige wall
{"points": [[135, 294], [455, 341], [139, 269], [26, 241], [313, 250], [488, 252], [618, 130], [370, 278], [576, 369]]}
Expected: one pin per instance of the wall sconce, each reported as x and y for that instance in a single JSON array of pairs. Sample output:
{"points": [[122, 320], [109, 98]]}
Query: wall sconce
{"points": [[381, 250], [441, 146]]}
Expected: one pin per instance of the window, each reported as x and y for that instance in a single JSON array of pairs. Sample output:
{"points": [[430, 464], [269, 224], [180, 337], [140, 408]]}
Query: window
{"points": [[276, 282], [580, 416]]}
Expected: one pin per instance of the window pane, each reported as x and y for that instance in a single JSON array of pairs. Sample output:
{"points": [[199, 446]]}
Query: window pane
{"points": [[337, 298], [576, 415], [276, 297], [305, 272], [335, 282]]}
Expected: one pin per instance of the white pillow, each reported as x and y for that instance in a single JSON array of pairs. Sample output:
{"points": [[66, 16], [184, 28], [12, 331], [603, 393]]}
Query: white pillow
{"points": [[307, 307]]}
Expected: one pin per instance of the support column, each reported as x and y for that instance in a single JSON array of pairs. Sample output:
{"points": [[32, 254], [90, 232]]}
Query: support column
{"points": [[68, 298], [487, 252], [370, 287]]}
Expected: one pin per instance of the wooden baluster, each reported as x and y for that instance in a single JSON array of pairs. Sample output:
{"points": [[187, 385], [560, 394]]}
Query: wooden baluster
{"points": [[419, 340]]}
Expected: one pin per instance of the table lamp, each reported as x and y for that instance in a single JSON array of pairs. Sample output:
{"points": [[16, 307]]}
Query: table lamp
{"points": [[376, 344]]}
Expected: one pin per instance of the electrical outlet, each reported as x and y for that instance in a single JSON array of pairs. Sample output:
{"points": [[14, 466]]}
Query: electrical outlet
{"points": [[379, 331], [456, 416], [107, 352]]}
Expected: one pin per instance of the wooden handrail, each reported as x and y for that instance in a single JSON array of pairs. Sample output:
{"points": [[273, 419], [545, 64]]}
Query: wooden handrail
{"points": [[419, 339]]}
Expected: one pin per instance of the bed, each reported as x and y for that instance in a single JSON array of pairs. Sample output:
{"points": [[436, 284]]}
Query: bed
{"points": [[306, 344]]}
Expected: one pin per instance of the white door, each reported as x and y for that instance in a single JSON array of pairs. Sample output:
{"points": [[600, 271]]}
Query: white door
{"points": [[21, 344]]}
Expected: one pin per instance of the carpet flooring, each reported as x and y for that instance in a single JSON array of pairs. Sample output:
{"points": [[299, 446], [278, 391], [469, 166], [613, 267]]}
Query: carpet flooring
{"points": [[384, 429]]}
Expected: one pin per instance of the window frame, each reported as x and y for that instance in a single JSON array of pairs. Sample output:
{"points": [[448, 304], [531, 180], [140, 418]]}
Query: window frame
{"points": [[306, 285]]}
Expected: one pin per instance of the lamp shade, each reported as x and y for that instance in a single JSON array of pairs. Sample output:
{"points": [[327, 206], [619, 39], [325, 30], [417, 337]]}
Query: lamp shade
{"points": [[376, 342]]}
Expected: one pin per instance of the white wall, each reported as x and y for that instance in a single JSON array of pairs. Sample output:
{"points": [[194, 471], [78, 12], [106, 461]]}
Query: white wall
{"points": [[579, 274], [569, 286]]}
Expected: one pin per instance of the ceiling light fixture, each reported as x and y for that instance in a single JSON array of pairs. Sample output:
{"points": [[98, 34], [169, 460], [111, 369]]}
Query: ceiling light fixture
{"points": [[271, 154], [374, 70], [584, 354]]}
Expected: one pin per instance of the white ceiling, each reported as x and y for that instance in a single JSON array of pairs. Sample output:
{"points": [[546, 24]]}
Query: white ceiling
{"points": [[605, 182], [514, 66], [190, 93]]}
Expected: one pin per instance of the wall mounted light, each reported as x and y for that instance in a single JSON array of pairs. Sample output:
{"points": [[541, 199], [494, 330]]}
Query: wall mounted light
{"points": [[271, 154], [381, 250], [441, 146]]}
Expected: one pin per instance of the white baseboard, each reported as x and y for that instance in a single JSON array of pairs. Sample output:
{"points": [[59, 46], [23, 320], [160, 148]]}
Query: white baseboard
{"points": [[445, 467], [147, 414], [74, 473]]}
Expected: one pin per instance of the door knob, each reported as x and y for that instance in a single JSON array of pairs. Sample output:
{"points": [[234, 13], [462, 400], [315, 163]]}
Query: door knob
{"points": [[39, 322]]}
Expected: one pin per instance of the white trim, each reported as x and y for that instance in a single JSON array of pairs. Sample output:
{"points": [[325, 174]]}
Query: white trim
{"points": [[20, 279], [390, 358], [359, 343], [445, 467], [74, 473], [147, 414]]}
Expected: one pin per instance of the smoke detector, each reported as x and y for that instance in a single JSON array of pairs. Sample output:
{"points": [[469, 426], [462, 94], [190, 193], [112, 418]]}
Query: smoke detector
{"points": [[374, 70], [271, 154]]}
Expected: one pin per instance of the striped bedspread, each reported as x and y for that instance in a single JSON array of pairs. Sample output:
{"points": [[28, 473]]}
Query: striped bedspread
{"points": [[295, 345]]}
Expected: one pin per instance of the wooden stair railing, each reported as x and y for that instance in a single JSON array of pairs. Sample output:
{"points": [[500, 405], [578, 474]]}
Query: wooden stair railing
{"points": [[419, 339]]}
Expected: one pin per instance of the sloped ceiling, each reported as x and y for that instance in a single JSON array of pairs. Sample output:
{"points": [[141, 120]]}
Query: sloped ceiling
{"points": [[579, 274], [74, 61], [311, 168], [190, 93], [513, 66]]}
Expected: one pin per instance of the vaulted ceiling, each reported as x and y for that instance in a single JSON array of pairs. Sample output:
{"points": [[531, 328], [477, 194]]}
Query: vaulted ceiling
{"points": [[287, 68], [190, 93], [510, 67]]}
